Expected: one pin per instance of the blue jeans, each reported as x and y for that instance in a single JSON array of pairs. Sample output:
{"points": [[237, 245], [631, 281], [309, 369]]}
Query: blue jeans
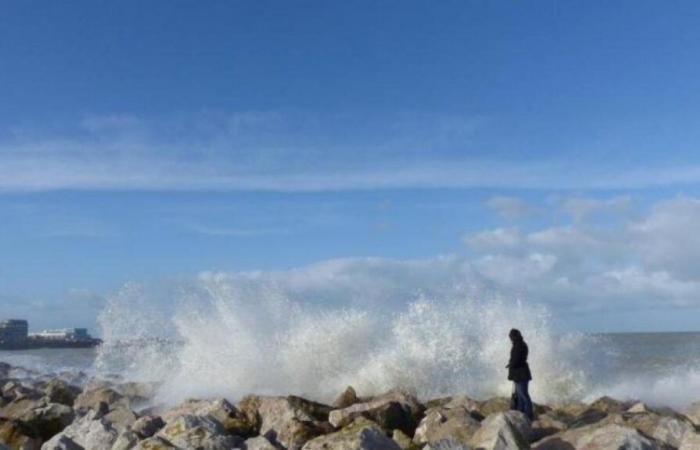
{"points": [[524, 402]]}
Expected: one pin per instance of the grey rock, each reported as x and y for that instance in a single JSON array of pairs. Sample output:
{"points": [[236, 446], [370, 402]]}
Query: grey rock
{"points": [[361, 434], [147, 426], [258, 443], [452, 420], [59, 391], [62, 443], [200, 432], [394, 410], [691, 441], [503, 431], [89, 431], [126, 441]]}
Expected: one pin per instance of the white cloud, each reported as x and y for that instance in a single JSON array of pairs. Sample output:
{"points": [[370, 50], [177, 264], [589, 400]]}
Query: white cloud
{"points": [[580, 207], [510, 208]]}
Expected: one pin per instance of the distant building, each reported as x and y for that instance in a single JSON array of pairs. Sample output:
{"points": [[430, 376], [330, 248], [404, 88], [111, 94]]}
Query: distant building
{"points": [[64, 334], [13, 331]]}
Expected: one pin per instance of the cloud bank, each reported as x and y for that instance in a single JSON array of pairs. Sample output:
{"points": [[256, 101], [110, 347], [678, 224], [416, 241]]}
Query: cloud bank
{"points": [[292, 151]]}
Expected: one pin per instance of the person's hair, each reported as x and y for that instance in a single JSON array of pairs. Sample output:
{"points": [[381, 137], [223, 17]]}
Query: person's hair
{"points": [[515, 335]]}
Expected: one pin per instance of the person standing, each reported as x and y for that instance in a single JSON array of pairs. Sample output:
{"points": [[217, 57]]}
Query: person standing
{"points": [[519, 372]]}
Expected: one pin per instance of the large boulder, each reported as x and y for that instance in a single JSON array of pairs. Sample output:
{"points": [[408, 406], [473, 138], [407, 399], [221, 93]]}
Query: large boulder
{"points": [[362, 434], [447, 444], [259, 443], [693, 413], [59, 391], [393, 410], [503, 431], [347, 398], [287, 421], [45, 418], [198, 432], [62, 443], [547, 425], [691, 441], [155, 443], [147, 426], [90, 431], [610, 434], [126, 440], [92, 398], [18, 435], [452, 420], [615, 437], [221, 410]]}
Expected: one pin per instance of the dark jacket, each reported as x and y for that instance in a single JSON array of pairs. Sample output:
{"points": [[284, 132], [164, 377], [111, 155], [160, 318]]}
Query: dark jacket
{"points": [[518, 369]]}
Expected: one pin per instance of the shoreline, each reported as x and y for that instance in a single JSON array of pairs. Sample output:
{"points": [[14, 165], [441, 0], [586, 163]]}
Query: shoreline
{"points": [[53, 414]]}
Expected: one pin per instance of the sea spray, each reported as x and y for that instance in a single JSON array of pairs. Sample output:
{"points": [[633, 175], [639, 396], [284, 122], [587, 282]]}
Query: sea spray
{"points": [[313, 331]]}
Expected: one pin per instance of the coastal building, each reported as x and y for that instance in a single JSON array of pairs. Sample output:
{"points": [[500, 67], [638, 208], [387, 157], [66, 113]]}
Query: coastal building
{"points": [[64, 334], [13, 331]]}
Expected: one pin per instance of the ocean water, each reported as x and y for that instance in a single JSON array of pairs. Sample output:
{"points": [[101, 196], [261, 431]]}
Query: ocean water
{"points": [[316, 330]]}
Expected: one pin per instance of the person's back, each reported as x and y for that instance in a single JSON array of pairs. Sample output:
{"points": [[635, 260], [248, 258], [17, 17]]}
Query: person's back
{"points": [[519, 372]]}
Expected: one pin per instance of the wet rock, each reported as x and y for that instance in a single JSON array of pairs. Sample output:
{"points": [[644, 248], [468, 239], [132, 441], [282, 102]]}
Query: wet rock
{"points": [[362, 434], [637, 408], [90, 431], [393, 410], [259, 443], [59, 391], [503, 431], [347, 398], [136, 392], [14, 390], [288, 421], [18, 435], [491, 406], [198, 432], [147, 426], [691, 441], [453, 420], [668, 430], [610, 405], [5, 369]]}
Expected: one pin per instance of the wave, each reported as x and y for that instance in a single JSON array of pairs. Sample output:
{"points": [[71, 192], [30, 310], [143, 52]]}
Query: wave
{"points": [[373, 324]]}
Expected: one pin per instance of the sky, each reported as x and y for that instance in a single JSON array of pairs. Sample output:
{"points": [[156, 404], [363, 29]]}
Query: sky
{"points": [[548, 152]]}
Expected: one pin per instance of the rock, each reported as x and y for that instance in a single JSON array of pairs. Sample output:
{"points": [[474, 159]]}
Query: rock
{"points": [[691, 441], [136, 392], [18, 435], [259, 443], [58, 391], [404, 441], [63, 443], [347, 398], [49, 420], [288, 421], [447, 444], [453, 420], [362, 434], [615, 437], [668, 430], [121, 417], [547, 425], [91, 399], [14, 390], [503, 431], [126, 441], [393, 410], [147, 426], [155, 443], [90, 431], [637, 408], [693, 413], [610, 405], [5, 369], [233, 420], [491, 406], [198, 432]]}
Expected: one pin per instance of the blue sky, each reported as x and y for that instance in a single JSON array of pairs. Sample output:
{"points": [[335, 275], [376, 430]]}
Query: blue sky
{"points": [[157, 140]]}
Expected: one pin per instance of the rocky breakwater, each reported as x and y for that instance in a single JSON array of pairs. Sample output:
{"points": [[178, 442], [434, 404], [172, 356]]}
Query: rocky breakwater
{"points": [[53, 414]]}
